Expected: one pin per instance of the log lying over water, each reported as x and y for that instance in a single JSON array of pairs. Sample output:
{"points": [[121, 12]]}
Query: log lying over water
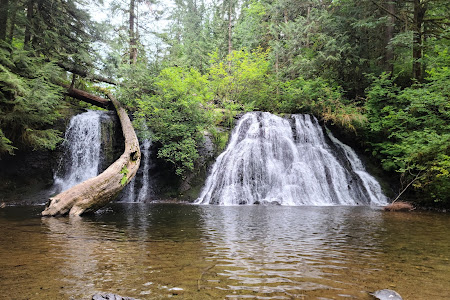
{"points": [[96, 192], [89, 98]]}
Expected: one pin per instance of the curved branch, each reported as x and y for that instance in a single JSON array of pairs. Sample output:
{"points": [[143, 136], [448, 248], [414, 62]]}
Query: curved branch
{"points": [[96, 192]]}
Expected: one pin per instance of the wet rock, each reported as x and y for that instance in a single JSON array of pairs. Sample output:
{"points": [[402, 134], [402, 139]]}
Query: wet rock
{"points": [[109, 296], [387, 295]]}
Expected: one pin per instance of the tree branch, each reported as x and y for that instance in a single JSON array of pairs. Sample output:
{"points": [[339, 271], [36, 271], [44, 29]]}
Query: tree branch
{"points": [[386, 10], [86, 74]]}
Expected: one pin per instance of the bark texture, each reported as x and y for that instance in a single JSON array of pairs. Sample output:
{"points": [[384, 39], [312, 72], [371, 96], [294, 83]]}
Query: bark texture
{"points": [[3, 18], [89, 98], [96, 192]]}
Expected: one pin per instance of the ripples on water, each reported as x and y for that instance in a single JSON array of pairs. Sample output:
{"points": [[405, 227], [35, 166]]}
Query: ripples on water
{"points": [[153, 251]]}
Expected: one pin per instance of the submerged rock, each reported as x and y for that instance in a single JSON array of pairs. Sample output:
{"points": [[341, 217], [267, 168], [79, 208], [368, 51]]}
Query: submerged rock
{"points": [[386, 294], [109, 296]]}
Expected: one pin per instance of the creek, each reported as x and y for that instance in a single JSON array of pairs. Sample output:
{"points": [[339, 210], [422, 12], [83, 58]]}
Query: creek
{"points": [[156, 251], [317, 233]]}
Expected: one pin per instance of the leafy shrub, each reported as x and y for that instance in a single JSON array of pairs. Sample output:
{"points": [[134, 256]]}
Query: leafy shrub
{"points": [[177, 115], [409, 129], [243, 78], [318, 97]]}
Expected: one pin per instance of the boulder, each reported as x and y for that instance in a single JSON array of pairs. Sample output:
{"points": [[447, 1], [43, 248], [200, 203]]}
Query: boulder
{"points": [[109, 296], [386, 294]]}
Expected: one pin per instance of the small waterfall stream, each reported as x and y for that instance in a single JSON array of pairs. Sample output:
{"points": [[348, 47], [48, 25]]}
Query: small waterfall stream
{"points": [[82, 150], [289, 162], [141, 194]]}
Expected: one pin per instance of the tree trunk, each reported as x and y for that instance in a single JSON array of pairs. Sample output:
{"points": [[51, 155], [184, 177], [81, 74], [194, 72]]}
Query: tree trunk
{"points": [[96, 192], [3, 18], [419, 14], [12, 22], [133, 42], [389, 34], [29, 23], [89, 98], [230, 46]]}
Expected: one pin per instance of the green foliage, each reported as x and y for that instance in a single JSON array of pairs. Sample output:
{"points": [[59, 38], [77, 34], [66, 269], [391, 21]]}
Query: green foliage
{"points": [[250, 31], [220, 138], [124, 178], [29, 101], [243, 78], [177, 115], [409, 128], [137, 81], [318, 97]]}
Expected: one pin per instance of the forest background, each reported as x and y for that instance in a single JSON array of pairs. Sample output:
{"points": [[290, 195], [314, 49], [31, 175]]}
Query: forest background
{"points": [[375, 70]]}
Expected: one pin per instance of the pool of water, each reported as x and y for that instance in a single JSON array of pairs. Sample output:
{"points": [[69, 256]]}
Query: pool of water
{"points": [[157, 251]]}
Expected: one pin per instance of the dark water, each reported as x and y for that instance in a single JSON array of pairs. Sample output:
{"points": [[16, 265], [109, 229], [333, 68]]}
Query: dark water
{"points": [[157, 251]]}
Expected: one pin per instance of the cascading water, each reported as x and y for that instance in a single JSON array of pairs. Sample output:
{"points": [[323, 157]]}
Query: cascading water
{"points": [[289, 162], [143, 191], [371, 185], [82, 150], [142, 196]]}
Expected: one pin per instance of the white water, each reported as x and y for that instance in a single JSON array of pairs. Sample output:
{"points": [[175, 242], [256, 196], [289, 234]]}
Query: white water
{"points": [[143, 193], [289, 162], [82, 155], [371, 185]]}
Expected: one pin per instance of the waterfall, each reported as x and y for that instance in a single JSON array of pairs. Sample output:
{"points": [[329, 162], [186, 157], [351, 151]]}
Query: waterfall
{"points": [[82, 150], [289, 162], [371, 185], [141, 194]]}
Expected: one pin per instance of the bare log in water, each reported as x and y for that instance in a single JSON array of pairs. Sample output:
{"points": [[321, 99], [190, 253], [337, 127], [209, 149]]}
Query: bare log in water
{"points": [[96, 192]]}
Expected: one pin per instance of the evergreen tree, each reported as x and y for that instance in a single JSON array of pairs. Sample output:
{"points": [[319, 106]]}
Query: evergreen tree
{"points": [[42, 36]]}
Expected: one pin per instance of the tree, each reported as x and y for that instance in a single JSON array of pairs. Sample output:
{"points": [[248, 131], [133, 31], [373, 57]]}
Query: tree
{"points": [[30, 93], [177, 115], [4, 9], [133, 33]]}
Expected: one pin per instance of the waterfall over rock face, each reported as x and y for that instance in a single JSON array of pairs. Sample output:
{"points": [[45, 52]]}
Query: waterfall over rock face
{"points": [[289, 162], [82, 150], [140, 194]]}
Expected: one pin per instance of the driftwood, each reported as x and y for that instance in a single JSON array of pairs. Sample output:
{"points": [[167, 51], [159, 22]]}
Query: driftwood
{"points": [[399, 206], [96, 192]]}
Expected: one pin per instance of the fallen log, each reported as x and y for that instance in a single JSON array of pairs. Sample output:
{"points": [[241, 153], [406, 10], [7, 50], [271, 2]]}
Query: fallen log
{"points": [[86, 97], [96, 192]]}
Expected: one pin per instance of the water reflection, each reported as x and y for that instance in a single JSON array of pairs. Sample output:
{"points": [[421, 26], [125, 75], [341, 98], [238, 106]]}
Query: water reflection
{"points": [[287, 250], [209, 252]]}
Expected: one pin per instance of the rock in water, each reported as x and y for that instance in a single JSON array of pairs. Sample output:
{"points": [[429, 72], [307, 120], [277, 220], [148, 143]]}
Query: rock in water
{"points": [[109, 296], [387, 295]]}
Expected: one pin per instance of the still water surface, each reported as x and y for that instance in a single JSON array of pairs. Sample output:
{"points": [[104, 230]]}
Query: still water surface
{"points": [[157, 251]]}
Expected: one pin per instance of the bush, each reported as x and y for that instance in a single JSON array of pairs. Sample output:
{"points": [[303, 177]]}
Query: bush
{"points": [[410, 130], [177, 115], [318, 97]]}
